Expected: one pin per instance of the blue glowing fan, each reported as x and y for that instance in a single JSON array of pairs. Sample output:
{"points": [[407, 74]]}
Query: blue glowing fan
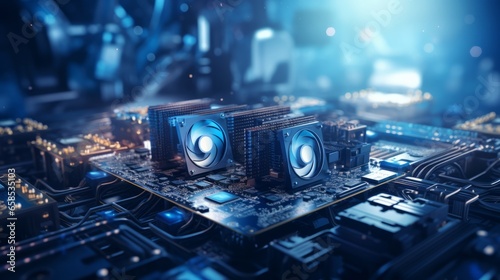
{"points": [[204, 141], [304, 155]]}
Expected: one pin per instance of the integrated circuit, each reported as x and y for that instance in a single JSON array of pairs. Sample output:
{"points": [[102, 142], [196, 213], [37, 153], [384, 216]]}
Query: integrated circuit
{"points": [[222, 197]]}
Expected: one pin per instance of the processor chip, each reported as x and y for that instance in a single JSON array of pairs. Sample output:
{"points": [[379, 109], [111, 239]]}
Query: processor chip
{"points": [[222, 197]]}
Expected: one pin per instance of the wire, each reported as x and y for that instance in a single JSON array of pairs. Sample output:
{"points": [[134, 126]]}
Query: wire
{"points": [[486, 170], [161, 232], [98, 189], [56, 193], [475, 184], [459, 169]]}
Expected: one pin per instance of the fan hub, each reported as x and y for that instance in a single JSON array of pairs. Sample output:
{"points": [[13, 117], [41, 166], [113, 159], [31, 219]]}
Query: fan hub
{"points": [[306, 154], [205, 144]]}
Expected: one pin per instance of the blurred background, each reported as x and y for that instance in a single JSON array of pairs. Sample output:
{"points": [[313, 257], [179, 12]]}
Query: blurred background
{"points": [[432, 62]]}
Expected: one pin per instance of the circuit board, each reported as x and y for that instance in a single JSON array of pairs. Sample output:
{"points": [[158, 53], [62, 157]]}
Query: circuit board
{"points": [[225, 198]]}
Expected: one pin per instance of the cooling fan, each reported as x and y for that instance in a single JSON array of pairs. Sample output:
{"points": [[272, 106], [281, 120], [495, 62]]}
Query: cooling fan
{"points": [[303, 155], [204, 142]]}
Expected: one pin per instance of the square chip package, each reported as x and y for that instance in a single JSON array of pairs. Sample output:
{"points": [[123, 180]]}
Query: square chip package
{"points": [[222, 197], [379, 177]]}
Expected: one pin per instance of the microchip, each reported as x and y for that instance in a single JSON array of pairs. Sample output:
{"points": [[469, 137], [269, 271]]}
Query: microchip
{"points": [[216, 178], [152, 185], [252, 191], [222, 197], [312, 194], [135, 167], [352, 184], [331, 191], [202, 209], [163, 179], [234, 179], [396, 165], [142, 150], [225, 182], [191, 188], [142, 169], [178, 182], [202, 185], [171, 217], [272, 198], [379, 176]]}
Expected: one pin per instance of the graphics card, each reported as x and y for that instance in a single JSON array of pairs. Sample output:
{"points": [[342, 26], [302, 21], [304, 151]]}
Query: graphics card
{"points": [[204, 143], [303, 155]]}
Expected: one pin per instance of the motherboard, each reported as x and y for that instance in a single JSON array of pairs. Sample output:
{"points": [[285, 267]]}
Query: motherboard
{"points": [[201, 190]]}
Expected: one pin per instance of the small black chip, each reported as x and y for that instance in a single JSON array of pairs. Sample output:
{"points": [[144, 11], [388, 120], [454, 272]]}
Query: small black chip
{"points": [[202, 209], [352, 184], [142, 169], [152, 185], [202, 185], [216, 178], [135, 167], [142, 150], [162, 179], [331, 191], [234, 179], [225, 182], [178, 182], [272, 198]]}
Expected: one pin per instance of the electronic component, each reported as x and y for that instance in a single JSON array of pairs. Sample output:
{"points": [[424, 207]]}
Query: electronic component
{"points": [[296, 256], [345, 144], [172, 218], [163, 138], [395, 165], [263, 152], [32, 211], [303, 154], [458, 199], [222, 197], [204, 142], [391, 224], [14, 138], [379, 176], [419, 131], [64, 161], [221, 211], [237, 122]]}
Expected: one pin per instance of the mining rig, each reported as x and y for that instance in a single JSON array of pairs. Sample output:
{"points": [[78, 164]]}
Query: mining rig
{"points": [[199, 190]]}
